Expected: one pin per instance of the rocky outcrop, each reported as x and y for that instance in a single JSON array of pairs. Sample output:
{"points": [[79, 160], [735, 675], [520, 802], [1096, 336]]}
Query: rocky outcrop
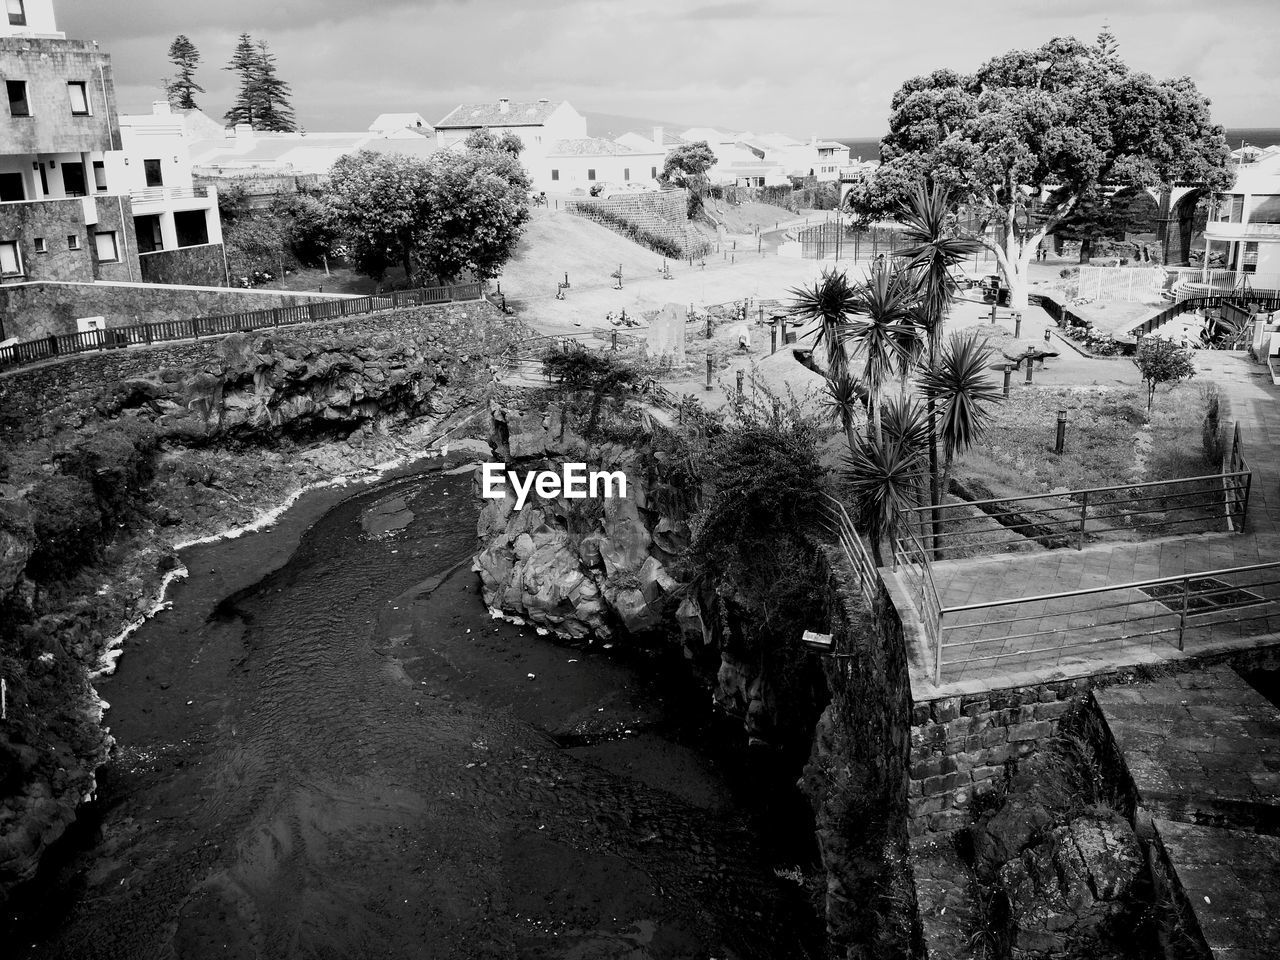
{"points": [[579, 568]]}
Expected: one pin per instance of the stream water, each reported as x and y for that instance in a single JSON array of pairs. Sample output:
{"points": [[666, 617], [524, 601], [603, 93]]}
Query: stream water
{"points": [[347, 757]]}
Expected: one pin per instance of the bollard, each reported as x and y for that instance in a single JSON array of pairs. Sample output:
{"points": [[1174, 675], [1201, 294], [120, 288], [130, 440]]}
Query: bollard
{"points": [[739, 383], [1030, 364], [731, 256], [614, 336], [708, 326], [993, 312], [708, 371], [1008, 378], [1062, 432], [773, 338], [1017, 323], [1046, 334]]}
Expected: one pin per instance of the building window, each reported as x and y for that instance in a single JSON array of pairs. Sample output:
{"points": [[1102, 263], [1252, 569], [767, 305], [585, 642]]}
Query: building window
{"points": [[555, 174], [17, 12], [653, 173], [152, 169], [73, 241], [19, 106], [626, 173], [41, 246], [10, 261], [591, 174], [1249, 262], [100, 176], [106, 244], [79, 98], [1266, 209]]}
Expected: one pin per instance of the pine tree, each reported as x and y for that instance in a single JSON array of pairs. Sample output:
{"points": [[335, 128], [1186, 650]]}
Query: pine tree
{"points": [[244, 61], [1107, 46], [182, 88], [274, 110]]}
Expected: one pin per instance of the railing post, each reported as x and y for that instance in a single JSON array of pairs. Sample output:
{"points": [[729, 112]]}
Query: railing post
{"points": [[1182, 617], [1084, 516], [937, 653]]}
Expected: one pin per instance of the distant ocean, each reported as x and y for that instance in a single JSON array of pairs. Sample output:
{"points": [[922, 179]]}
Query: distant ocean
{"points": [[868, 148]]}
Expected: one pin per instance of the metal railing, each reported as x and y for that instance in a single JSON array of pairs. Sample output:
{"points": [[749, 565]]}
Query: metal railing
{"points": [[152, 194], [1059, 520], [69, 344], [1263, 301], [910, 557], [1000, 633], [864, 569]]}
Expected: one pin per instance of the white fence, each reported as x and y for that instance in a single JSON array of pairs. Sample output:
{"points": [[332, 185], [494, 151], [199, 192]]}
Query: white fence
{"points": [[1140, 284]]}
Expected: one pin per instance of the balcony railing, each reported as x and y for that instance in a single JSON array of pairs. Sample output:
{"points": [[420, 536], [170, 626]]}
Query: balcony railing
{"points": [[1220, 230], [157, 194]]}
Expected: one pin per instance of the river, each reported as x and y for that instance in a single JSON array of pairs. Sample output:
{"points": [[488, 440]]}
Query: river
{"points": [[327, 748]]}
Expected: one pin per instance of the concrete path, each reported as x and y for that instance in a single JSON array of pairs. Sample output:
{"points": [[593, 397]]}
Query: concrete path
{"points": [[1202, 752]]}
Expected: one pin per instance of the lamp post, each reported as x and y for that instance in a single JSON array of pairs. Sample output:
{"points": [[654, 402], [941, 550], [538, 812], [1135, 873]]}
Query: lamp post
{"points": [[1062, 432]]}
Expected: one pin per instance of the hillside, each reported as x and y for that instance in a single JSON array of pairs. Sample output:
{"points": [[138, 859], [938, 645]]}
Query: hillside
{"points": [[556, 242]]}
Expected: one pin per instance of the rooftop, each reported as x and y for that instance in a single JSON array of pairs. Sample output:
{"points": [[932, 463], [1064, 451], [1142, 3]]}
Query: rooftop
{"points": [[501, 113]]}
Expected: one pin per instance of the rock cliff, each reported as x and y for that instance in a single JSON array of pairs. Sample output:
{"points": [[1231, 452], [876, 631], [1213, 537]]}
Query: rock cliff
{"points": [[108, 461]]}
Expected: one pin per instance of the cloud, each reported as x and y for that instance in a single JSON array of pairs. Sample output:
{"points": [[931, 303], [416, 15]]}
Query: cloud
{"points": [[822, 66]]}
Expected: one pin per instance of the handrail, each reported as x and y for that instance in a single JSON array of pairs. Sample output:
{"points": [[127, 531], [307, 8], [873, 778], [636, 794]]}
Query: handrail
{"points": [[854, 549], [69, 344], [1070, 493], [1131, 585]]}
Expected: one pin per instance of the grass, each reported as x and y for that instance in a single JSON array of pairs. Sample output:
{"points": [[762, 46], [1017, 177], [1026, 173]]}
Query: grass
{"points": [[338, 280]]}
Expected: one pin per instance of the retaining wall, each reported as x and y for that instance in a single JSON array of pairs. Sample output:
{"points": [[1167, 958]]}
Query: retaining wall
{"points": [[202, 266]]}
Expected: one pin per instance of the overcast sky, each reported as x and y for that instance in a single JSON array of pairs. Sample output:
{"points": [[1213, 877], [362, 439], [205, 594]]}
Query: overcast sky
{"points": [[802, 67]]}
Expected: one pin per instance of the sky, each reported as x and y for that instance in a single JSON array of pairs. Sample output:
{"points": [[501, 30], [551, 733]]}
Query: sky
{"points": [[802, 67]]}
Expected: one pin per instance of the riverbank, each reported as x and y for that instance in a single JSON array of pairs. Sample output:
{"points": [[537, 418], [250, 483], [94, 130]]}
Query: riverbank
{"points": [[349, 754]]}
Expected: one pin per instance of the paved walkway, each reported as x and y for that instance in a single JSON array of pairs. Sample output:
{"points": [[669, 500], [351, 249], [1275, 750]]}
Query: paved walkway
{"points": [[1202, 751], [1097, 631]]}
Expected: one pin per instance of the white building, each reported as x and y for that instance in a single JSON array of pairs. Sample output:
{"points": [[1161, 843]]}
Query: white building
{"points": [[243, 151], [1243, 232], [542, 125], [168, 212]]}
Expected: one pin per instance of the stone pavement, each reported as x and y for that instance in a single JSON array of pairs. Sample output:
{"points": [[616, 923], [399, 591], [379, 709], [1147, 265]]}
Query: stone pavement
{"points": [[1076, 636], [1202, 752]]}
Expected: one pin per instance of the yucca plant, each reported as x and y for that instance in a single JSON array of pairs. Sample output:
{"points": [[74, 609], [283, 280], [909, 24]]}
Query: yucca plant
{"points": [[883, 480], [830, 301], [903, 420], [964, 393], [880, 326], [842, 398]]}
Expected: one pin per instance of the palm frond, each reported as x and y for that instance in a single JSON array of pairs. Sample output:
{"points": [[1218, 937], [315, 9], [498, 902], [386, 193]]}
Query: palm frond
{"points": [[963, 390]]}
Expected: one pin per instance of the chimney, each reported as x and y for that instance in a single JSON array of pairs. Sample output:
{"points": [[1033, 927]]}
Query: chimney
{"points": [[659, 137], [504, 105], [161, 108]]}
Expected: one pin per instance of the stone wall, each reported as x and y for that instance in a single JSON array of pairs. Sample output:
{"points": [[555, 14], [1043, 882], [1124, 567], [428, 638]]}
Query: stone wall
{"points": [[201, 266], [662, 215], [959, 745], [35, 310], [54, 221], [47, 65], [856, 778]]}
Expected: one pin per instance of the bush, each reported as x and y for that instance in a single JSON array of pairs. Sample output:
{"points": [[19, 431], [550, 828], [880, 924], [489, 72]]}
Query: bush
{"points": [[116, 462], [68, 527]]}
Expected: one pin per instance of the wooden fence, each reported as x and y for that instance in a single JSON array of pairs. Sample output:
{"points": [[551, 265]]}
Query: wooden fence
{"points": [[69, 344]]}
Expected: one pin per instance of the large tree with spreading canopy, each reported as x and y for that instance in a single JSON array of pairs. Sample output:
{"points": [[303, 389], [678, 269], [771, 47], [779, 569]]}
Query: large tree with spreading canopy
{"points": [[1033, 134]]}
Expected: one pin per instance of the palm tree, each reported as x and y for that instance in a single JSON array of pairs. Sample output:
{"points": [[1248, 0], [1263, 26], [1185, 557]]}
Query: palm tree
{"points": [[881, 326], [933, 252], [904, 422], [959, 383], [884, 480], [841, 400], [829, 301]]}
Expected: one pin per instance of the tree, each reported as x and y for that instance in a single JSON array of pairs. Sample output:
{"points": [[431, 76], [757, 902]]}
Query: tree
{"points": [[483, 139], [1028, 135], [964, 392], [830, 301], [477, 206], [459, 212], [182, 88], [1162, 361], [244, 63], [881, 321], [686, 166], [933, 252], [272, 96], [263, 100], [380, 201], [883, 480]]}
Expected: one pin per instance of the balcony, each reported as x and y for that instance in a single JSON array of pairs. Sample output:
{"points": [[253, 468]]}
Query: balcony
{"points": [[159, 199], [1225, 230]]}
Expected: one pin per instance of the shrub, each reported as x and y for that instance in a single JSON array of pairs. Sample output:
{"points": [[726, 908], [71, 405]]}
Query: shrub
{"points": [[1162, 361], [68, 527]]}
